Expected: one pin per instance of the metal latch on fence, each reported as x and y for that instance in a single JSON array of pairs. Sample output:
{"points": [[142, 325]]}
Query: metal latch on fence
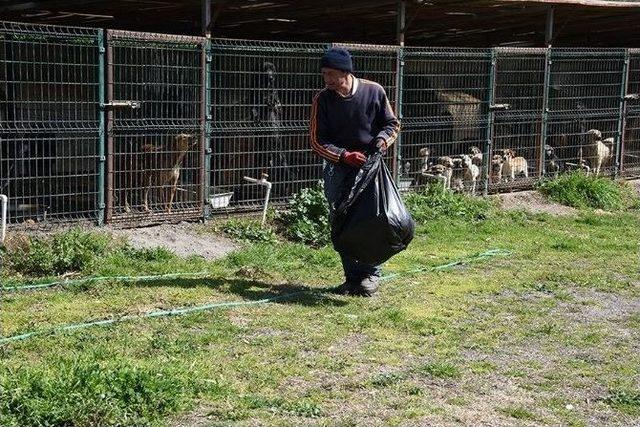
{"points": [[134, 105], [499, 107]]}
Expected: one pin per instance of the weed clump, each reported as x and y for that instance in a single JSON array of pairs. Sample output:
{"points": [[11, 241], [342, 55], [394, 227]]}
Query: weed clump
{"points": [[578, 190], [73, 250], [434, 203], [306, 219], [627, 401], [249, 231]]}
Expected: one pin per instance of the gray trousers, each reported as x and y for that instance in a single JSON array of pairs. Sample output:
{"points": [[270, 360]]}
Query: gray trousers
{"points": [[338, 180]]}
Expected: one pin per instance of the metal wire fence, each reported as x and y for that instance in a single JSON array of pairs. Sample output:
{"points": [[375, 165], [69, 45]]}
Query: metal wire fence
{"points": [[155, 138], [132, 128], [260, 97], [445, 99], [515, 154], [49, 122], [585, 93]]}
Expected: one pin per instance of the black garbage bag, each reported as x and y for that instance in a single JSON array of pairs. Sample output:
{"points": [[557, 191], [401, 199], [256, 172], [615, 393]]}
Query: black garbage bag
{"points": [[372, 224]]}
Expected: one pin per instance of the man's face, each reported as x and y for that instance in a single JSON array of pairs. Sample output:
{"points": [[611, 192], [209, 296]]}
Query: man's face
{"points": [[335, 79]]}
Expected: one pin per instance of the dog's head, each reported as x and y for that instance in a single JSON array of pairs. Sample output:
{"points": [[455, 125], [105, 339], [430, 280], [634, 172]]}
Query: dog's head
{"points": [[496, 163], [184, 142], [475, 151], [594, 135], [466, 160], [508, 153], [437, 170], [446, 161], [548, 150], [407, 168], [269, 70]]}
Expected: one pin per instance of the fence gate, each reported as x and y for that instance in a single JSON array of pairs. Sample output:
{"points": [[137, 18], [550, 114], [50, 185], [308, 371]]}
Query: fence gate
{"points": [[631, 129], [445, 97], [517, 115], [50, 122], [155, 127]]}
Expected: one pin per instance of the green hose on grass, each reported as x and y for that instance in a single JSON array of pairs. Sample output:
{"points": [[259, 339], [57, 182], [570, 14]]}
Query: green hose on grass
{"points": [[188, 310], [65, 283]]}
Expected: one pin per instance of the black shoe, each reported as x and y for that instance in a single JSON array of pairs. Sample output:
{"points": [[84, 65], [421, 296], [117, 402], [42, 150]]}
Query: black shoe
{"points": [[346, 288], [367, 286]]}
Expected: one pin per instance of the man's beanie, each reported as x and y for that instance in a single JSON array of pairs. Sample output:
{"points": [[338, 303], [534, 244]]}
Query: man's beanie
{"points": [[338, 59]]}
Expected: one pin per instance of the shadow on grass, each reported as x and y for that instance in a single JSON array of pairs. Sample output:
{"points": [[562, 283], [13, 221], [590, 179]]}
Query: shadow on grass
{"points": [[256, 290]]}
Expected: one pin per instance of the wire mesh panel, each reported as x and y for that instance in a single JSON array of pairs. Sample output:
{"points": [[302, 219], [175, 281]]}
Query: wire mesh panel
{"points": [[261, 99], [631, 152], [514, 159], [584, 108], [444, 105], [155, 89], [49, 122]]}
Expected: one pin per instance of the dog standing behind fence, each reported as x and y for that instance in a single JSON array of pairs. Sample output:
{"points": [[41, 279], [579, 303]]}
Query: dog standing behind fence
{"points": [[513, 166], [163, 166], [598, 152]]}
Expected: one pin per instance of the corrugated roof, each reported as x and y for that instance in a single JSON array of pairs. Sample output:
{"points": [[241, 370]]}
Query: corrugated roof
{"points": [[429, 22]]}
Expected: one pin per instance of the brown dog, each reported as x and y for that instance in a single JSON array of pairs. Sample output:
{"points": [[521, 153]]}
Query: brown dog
{"points": [[163, 166], [513, 166]]}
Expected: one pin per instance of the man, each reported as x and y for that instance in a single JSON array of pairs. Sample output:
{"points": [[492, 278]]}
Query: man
{"points": [[350, 118]]}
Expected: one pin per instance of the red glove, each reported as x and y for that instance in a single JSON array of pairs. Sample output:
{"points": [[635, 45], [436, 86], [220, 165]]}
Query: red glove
{"points": [[354, 158]]}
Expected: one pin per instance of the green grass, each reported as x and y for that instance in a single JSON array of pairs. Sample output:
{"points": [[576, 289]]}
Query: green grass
{"points": [[85, 391], [519, 413], [518, 336], [439, 370]]}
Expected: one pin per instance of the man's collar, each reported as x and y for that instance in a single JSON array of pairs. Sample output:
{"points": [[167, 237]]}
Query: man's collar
{"points": [[354, 87]]}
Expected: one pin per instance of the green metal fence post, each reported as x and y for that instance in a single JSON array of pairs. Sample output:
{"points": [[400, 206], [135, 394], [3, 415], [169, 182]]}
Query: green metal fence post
{"points": [[101, 127], [618, 167], [397, 152], [545, 110], [486, 162], [207, 126], [109, 127]]}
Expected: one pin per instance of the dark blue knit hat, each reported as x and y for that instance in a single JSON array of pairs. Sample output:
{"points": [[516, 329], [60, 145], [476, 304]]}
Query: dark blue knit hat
{"points": [[338, 59]]}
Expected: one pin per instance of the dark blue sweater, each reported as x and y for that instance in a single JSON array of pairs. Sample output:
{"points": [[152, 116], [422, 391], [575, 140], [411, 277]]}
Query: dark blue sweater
{"points": [[351, 123]]}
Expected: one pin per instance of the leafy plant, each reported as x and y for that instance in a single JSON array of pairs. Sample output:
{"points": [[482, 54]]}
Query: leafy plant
{"points": [[307, 218], [581, 191]]}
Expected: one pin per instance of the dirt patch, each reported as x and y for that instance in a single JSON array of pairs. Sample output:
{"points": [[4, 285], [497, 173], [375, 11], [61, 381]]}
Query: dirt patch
{"points": [[532, 201], [185, 239]]}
